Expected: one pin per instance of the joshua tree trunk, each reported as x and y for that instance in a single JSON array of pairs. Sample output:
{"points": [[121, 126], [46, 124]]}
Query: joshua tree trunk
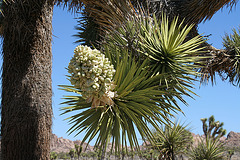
{"points": [[26, 80]]}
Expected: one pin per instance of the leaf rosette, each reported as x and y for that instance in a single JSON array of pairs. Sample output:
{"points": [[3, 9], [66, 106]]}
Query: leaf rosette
{"points": [[146, 90]]}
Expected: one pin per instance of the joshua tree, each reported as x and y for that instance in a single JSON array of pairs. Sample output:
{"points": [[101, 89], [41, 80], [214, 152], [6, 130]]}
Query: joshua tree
{"points": [[53, 155], [26, 100], [214, 129], [123, 153], [131, 93], [172, 140], [26, 104], [93, 154], [230, 153], [151, 152], [107, 14], [110, 17], [71, 153], [78, 150], [208, 149], [131, 154], [26, 30]]}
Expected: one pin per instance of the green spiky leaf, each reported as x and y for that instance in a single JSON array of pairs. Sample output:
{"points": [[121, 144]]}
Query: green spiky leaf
{"points": [[232, 44], [136, 106]]}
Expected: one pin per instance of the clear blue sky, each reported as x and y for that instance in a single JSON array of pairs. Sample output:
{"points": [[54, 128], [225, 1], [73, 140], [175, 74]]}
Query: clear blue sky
{"points": [[220, 100]]}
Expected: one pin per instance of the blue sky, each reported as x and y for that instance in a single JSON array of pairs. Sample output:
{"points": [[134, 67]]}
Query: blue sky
{"points": [[220, 100]]}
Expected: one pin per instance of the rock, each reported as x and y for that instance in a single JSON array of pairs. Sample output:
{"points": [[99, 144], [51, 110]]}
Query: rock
{"points": [[59, 144], [196, 139], [232, 140], [233, 136]]}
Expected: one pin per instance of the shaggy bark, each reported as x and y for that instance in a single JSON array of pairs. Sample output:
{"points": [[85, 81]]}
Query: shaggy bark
{"points": [[26, 80]]}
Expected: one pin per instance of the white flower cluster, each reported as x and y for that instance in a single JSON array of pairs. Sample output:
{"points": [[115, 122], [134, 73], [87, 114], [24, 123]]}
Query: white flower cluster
{"points": [[92, 73]]}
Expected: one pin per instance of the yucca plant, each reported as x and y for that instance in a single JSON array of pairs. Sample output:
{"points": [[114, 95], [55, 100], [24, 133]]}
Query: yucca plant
{"points": [[136, 105], [107, 12], [165, 45], [232, 44], [172, 140], [110, 13], [208, 149], [88, 32], [167, 48], [142, 96], [169, 51], [225, 62], [213, 129]]}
